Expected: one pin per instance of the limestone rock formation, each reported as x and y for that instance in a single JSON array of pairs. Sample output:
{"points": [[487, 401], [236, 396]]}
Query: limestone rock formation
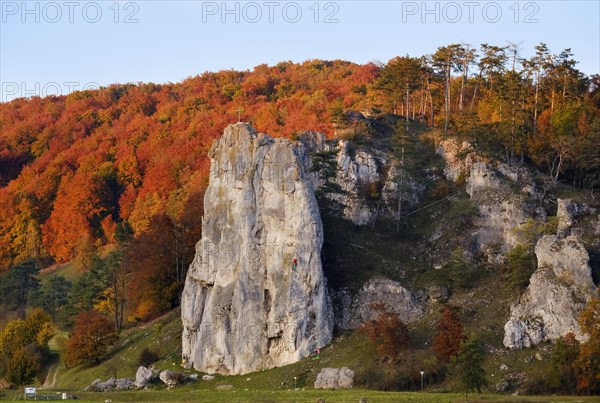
{"points": [[351, 172], [567, 212], [352, 312], [557, 292], [255, 296], [459, 157], [357, 174], [335, 378], [492, 190]]}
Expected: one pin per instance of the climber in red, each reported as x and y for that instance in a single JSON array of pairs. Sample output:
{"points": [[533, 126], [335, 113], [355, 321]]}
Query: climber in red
{"points": [[295, 264]]}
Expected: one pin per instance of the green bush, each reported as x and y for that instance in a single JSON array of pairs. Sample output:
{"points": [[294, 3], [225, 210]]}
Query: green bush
{"points": [[378, 376], [460, 272], [148, 357]]}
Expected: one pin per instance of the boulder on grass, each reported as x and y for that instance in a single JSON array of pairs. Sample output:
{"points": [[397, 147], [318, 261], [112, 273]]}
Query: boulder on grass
{"points": [[171, 378], [335, 378]]}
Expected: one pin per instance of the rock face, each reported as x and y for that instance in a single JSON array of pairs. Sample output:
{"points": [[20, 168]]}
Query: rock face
{"points": [[397, 298], [335, 378], [255, 296], [351, 313], [558, 290], [567, 212], [501, 210], [459, 158], [357, 175], [351, 174], [492, 190]]}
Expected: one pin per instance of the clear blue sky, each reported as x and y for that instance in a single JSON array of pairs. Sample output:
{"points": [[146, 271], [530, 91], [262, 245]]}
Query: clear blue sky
{"points": [[49, 47]]}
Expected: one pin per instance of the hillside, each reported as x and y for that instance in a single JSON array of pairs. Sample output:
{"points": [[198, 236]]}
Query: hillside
{"points": [[407, 255], [435, 194]]}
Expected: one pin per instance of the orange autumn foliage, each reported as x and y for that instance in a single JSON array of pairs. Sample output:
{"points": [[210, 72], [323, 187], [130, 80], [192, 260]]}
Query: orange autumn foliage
{"points": [[91, 335], [76, 165]]}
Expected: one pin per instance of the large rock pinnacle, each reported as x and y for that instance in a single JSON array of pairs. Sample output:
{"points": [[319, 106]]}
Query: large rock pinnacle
{"points": [[557, 293], [255, 296]]}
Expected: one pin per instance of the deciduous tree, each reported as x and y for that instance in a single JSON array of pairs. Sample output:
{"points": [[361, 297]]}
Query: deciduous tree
{"points": [[91, 335], [387, 332], [588, 362], [21, 368], [449, 335]]}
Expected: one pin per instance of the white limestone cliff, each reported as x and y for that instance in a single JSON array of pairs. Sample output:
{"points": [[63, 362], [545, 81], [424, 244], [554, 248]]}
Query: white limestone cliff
{"points": [[255, 296]]}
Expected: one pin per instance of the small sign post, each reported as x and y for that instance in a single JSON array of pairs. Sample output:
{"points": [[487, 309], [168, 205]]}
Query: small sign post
{"points": [[30, 392]]}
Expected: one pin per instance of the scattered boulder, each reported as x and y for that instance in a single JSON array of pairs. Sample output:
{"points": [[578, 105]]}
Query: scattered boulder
{"points": [[503, 367], [143, 377], [124, 384], [171, 378], [224, 387], [557, 293], [93, 387], [335, 378], [208, 377], [110, 384]]}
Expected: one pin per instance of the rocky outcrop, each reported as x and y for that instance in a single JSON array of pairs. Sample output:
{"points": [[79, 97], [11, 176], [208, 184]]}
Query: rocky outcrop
{"points": [[567, 212], [459, 157], [492, 190], [500, 209], [496, 224], [255, 296], [352, 312], [558, 290], [335, 378], [357, 177], [350, 174]]}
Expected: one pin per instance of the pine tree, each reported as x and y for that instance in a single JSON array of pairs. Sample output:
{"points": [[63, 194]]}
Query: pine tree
{"points": [[469, 366]]}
